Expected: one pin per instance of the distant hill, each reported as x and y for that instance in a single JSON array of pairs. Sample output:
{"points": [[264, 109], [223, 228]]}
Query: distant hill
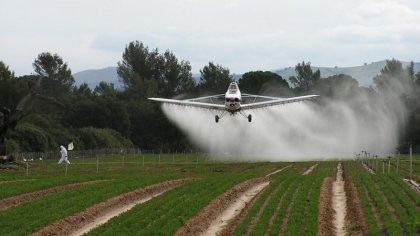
{"points": [[364, 74], [93, 77]]}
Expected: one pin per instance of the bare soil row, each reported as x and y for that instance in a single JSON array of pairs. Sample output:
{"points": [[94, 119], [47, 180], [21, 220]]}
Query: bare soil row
{"points": [[16, 181], [355, 222], [71, 224], [26, 197], [202, 221]]}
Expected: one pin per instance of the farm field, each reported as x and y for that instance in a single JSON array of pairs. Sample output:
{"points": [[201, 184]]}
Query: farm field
{"points": [[399, 165], [297, 200]]}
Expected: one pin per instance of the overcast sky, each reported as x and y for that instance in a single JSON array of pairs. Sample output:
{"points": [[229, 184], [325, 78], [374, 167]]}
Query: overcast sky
{"points": [[243, 35]]}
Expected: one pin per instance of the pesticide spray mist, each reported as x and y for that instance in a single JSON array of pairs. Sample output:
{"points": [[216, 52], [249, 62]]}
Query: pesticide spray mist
{"points": [[298, 131]]}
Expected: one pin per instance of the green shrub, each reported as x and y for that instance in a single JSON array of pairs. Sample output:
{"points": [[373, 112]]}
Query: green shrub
{"points": [[93, 138]]}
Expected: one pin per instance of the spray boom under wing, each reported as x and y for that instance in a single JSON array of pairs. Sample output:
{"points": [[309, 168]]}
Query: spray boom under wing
{"points": [[233, 102]]}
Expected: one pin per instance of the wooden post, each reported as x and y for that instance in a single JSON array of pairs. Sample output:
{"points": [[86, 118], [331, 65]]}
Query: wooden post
{"points": [[97, 164], [411, 162], [383, 166]]}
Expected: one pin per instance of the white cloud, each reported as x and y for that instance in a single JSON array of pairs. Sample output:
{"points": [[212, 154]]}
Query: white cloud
{"points": [[242, 35]]}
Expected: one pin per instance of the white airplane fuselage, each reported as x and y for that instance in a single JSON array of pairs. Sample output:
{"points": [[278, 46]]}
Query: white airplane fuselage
{"points": [[233, 98]]}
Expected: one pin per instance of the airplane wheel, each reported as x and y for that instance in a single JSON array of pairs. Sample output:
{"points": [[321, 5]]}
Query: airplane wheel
{"points": [[216, 118], [249, 118]]}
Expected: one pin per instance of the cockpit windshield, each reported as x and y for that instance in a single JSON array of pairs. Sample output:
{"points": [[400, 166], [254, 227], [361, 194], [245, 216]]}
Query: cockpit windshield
{"points": [[233, 88]]}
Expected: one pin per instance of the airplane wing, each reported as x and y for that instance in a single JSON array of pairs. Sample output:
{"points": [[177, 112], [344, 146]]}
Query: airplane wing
{"points": [[211, 102], [256, 101]]}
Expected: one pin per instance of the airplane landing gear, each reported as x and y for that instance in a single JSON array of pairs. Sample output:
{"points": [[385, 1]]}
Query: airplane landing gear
{"points": [[249, 118], [217, 118]]}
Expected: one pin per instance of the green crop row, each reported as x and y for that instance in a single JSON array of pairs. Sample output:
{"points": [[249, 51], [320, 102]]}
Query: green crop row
{"points": [[253, 211], [405, 208], [268, 211], [163, 215], [308, 196], [296, 194], [382, 191], [309, 225], [406, 189], [34, 215], [299, 206], [399, 165], [351, 169], [273, 193]]}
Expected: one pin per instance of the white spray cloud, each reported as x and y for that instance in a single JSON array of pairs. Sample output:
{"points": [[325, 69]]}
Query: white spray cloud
{"points": [[297, 131]]}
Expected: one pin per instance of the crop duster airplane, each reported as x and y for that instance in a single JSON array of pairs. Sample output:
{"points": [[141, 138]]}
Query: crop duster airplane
{"points": [[233, 102]]}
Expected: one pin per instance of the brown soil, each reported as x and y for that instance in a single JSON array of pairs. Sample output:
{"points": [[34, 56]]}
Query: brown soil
{"points": [[326, 211], [231, 227], [413, 185], [310, 169], [339, 202], [234, 209], [274, 172], [16, 181], [257, 217], [355, 218], [368, 168], [26, 197], [71, 224], [202, 221]]}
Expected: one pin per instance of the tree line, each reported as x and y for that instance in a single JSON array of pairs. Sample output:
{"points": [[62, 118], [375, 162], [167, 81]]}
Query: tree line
{"points": [[46, 109]]}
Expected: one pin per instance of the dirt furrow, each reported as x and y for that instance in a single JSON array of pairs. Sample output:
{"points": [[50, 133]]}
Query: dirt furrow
{"points": [[326, 211], [413, 184], [214, 212], [339, 202], [275, 172], [16, 181], [231, 227], [88, 219], [310, 169], [233, 210], [26, 197], [256, 218]]}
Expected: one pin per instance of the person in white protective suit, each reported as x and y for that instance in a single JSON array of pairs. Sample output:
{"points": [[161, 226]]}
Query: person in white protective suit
{"points": [[63, 153]]}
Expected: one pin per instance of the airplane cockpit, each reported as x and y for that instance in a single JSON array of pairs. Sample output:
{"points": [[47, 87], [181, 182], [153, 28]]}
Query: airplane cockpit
{"points": [[233, 88]]}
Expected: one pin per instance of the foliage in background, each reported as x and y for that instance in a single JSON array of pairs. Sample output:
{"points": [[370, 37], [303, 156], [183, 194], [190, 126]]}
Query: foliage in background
{"points": [[109, 117]]}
